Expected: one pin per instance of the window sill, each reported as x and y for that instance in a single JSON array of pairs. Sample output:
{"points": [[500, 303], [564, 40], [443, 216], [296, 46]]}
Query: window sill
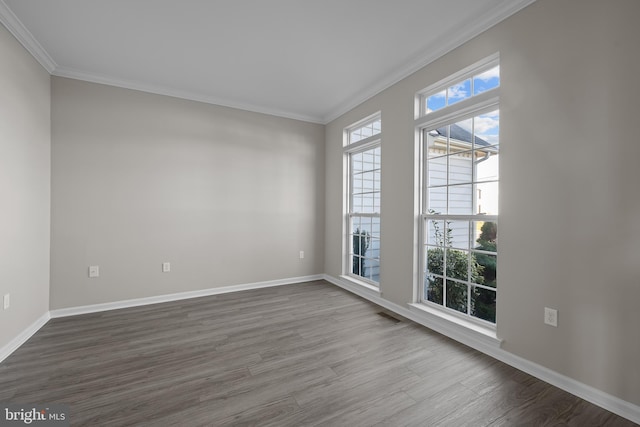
{"points": [[454, 326], [364, 286]]}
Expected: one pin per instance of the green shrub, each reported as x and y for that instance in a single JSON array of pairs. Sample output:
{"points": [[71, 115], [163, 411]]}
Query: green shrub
{"points": [[475, 268], [361, 242]]}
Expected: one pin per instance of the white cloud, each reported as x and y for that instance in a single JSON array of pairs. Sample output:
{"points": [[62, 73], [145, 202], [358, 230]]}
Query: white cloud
{"points": [[465, 124], [489, 74], [458, 91], [438, 95], [487, 123]]}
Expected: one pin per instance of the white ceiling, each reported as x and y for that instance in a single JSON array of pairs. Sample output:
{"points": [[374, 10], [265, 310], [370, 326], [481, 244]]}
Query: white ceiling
{"points": [[306, 59]]}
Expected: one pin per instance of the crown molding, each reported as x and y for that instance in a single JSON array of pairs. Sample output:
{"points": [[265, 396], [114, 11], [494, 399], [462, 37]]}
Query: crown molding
{"points": [[434, 51], [176, 93], [26, 39]]}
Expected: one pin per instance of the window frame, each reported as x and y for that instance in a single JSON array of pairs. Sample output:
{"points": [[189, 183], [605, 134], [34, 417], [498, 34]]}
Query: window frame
{"points": [[424, 121], [471, 71], [350, 149]]}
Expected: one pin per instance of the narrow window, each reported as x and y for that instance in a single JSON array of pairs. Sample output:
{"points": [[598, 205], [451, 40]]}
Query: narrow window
{"points": [[363, 158]]}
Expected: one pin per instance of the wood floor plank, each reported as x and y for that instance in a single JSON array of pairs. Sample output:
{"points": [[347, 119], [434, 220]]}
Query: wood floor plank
{"points": [[307, 354]]}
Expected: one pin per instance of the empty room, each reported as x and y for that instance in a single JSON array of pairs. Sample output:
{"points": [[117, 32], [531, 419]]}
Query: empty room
{"points": [[298, 212]]}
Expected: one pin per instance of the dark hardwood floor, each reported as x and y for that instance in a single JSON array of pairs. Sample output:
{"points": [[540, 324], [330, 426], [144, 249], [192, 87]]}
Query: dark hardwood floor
{"points": [[308, 354]]}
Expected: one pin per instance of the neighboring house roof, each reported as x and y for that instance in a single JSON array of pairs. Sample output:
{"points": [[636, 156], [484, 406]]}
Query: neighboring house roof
{"points": [[461, 134]]}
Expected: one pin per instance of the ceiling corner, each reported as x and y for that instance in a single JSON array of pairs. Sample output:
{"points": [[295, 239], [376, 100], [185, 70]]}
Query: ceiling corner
{"points": [[432, 53], [24, 36]]}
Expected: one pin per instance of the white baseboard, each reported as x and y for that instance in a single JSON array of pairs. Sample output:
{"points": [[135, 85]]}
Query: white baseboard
{"points": [[95, 308], [488, 346], [15, 343], [609, 402]]}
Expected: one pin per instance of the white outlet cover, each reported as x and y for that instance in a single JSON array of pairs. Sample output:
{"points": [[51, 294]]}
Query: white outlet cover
{"points": [[94, 271], [166, 267], [7, 301], [551, 316]]}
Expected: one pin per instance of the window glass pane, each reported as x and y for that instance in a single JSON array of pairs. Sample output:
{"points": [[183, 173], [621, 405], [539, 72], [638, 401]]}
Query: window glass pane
{"points": [[376, 180], [485, 235], [355, 224], [458, 92], [457, 264], [487, 267], [437, 169], [365, 187], [374, 248], [365, 227], [433, 289], [483, 304], [376, 126], [356, 203], [367, 203], [375, 227], [356, 183], [487, 164], [436, 102], [487, 80], [365, 131], [367, 181], [368, 160], [457, 296], [358, 263], [486, 198], [377, 157], [486, 129], [460, 199], [458, 234], [435, 260], [372, 269], [435, 232], [356, 162], [437, 200], [436, 141], [460, 136], [461, 168], [360, 244]]}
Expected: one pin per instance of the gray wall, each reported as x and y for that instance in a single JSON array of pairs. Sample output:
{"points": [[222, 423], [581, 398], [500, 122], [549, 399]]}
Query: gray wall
{"points": [[25, 182], [227, 196], [570, 203], [230, 197]]}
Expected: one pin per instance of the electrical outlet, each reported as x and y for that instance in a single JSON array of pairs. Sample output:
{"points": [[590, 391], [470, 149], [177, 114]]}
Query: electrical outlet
{"points": [[551, 316], [301, 254], [7, 301], [166, 267], [94, 271]]}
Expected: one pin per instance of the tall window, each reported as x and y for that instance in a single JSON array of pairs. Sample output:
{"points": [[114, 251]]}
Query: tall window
{"points": [[459, 123], [363, 157]]}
